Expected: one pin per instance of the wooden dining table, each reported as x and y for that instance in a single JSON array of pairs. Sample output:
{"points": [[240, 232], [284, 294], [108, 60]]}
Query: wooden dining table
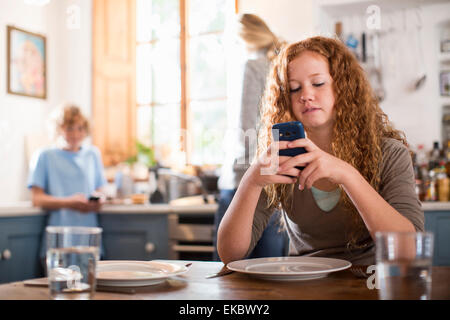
{"points": [[194, 285]]}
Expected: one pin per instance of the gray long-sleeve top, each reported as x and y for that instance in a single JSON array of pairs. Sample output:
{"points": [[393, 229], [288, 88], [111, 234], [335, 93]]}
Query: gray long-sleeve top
{"points": [[243, 120]]}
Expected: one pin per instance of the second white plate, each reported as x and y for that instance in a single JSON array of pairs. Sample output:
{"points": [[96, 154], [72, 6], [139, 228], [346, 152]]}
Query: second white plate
{"points": [[289, 268], [124, 273]]}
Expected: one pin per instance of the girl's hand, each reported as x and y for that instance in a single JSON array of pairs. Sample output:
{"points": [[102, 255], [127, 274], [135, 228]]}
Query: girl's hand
{"points": [[319, 164], [266, 171]]}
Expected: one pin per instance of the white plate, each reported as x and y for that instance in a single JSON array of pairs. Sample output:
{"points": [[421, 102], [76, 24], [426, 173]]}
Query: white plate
{"points": [[289, 268], [124, 273]]}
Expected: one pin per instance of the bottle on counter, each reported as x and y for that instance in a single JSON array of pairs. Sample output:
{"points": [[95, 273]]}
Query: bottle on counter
{"points": [[435, 156], [431, 194], [447, 158], [421, 156], [420, 165], [417, 175], [424, 187], [442, 182]]}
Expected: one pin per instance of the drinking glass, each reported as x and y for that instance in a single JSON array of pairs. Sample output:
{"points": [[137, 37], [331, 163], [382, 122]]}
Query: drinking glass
{"points": [[72, 255], [404, 261]]}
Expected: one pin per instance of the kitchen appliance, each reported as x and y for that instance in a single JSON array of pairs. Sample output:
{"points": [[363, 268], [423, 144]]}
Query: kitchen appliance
{"points": [[191, 236], [174, 185], [209, 186]]}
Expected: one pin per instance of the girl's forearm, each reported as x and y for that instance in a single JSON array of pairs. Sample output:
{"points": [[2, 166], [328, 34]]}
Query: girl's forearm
{"points": [[235, 230], [377, 214]]}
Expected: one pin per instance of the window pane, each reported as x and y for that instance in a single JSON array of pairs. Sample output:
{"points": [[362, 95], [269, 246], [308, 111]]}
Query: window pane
{"points": [[165, 130], [157, 19], [208, 123], [143, 123], [143, 25], [206, 16], [143, 74], [166, 78], [207, 67]]}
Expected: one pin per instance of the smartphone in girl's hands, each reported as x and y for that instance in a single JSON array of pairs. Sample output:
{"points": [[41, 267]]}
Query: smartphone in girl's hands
{"points": [[289, 131]]}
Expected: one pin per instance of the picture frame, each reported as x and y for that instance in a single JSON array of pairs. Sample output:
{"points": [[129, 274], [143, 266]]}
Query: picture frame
{"points": [[445, 83], [26, 63]]}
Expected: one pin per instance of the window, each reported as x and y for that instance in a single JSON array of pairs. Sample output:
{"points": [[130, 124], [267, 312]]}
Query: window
{"points": [[181, 78]]}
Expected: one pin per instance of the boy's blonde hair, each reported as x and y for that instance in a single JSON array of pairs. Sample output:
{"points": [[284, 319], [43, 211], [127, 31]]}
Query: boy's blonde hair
{"points": [[70, 114], [63, 116]]}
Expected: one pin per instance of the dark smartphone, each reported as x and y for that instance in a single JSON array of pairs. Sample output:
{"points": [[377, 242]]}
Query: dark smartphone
{"points": [[94, 198], [289, 131]]}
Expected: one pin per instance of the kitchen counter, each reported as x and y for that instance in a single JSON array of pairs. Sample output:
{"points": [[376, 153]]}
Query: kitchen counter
{"points": [[25, 208]]}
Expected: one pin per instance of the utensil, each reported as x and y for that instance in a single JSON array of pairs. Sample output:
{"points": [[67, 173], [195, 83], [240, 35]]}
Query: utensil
{"points": [[363, 48], [223, 272], [359, 271], [289, 268]]}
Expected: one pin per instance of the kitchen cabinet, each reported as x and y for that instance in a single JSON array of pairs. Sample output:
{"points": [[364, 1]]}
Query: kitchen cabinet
{"points": [[438, 222], [135, 236], [20, 239]]}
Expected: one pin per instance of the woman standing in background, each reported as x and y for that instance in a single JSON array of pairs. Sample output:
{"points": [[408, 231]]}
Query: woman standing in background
{"points": [[62, 178], [243, 121]]}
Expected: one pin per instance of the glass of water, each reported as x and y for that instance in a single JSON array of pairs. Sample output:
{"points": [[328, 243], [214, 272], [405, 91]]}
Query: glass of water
{"points": [[72, 255], [404, 261]]}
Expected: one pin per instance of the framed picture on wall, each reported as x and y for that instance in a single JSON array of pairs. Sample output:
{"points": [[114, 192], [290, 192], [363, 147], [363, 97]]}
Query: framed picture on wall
{"points": [[26, 54]]}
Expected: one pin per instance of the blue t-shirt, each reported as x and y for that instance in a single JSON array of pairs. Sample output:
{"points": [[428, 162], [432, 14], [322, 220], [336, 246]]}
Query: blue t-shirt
{"points": [[62, 173]]}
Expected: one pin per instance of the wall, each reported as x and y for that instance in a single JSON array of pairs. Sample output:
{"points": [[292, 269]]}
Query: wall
{"points": [[292, 20], [68, 73], [417, 113]]}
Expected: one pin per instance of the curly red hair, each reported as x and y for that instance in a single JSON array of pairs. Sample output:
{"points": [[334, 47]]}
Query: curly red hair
{"points": [[359, 128]]}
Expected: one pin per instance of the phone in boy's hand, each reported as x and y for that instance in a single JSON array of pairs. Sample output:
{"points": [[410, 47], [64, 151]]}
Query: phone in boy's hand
{"points": [[289, 131], [94, 198]]}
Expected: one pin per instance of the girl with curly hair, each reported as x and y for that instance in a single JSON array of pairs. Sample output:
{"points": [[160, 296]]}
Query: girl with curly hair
{"points": [[358, 177]]}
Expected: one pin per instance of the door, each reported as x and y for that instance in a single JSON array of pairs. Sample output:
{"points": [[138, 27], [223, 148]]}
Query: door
{"points": [[114, 79]]}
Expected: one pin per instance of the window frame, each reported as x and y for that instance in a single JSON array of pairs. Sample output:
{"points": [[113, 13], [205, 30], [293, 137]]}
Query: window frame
{"points": [[185, 100]]}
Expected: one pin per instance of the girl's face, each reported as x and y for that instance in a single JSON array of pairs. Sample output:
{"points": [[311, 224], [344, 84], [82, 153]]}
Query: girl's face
{"points": [[74, 135], [312, 96]]}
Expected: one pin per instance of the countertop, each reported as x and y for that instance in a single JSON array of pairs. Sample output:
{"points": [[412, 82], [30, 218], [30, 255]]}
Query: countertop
{"points": [[25, 208], [194, 285]]}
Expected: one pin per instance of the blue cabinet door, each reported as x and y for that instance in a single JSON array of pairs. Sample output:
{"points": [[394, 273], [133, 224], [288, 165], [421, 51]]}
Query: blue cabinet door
{"points": [[21, 238], [438, 222], [134, 236]]}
